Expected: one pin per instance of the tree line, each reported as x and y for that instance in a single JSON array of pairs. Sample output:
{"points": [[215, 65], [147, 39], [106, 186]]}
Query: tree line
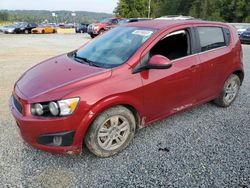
{"points": [[38, 16], [215, 10]]}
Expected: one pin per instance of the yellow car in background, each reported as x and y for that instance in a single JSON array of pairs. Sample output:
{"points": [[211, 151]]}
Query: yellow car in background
{"points": [[42, 29]]}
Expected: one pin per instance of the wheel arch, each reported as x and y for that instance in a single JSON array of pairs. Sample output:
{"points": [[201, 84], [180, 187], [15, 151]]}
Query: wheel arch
{"points": [[101, 106], [240, 74]]}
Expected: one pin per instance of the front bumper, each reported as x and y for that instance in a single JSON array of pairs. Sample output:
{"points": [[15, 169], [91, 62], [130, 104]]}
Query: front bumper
{"points": [[9, 32], [39, 132]]}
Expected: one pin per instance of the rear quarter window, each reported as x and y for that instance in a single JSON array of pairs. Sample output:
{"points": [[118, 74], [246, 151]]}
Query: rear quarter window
{"points": [[211, 38], [227, 36]]}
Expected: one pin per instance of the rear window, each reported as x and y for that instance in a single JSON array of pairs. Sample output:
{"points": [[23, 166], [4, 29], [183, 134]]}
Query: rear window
{"points": [[211, 38]]}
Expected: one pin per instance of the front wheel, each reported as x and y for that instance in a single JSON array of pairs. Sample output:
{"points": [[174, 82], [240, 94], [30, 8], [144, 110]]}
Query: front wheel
{"points": [[92, 36], [101, 31], [111, 132], [230, 91]]}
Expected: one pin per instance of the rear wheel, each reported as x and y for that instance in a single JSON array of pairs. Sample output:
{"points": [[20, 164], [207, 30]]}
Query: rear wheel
{"points": [[26, 31], [229, 92], [111, 132]]}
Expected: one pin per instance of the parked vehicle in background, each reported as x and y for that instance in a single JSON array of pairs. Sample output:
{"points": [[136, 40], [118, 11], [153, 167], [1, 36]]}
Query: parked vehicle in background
{"points": [[245, 37], [124, 21], [82, 28], [42, 29], [4, 28], [96, 29], [241, 28], [126, 79], [23, 27], [175, 17], [66, 25]]}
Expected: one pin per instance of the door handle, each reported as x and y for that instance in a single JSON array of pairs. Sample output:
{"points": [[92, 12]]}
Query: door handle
{"points": [[193, 68]]}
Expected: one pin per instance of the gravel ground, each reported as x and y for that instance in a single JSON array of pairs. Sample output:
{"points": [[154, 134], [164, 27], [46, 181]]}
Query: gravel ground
{"points": [[206, 146]]}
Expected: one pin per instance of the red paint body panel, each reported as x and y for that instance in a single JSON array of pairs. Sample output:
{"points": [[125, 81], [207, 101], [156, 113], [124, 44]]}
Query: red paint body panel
{"points": [[154, 94]]}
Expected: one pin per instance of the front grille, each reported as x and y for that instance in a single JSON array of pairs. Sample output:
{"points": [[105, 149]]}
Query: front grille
{"points": [[90, 28], [18, 105]]}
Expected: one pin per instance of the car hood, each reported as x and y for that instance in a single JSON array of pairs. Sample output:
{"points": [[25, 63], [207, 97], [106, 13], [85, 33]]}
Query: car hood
{"points": [[10, 27], [53, 74], [101, 25]]}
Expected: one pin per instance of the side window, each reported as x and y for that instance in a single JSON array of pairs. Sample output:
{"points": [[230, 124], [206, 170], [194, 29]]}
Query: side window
{"points": [[173, 46], [227, 36], [211, 38]]}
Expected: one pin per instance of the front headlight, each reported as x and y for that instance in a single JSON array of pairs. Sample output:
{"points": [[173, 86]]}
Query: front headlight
{"points": [[10, 30], [96, 27], [55, 108]]}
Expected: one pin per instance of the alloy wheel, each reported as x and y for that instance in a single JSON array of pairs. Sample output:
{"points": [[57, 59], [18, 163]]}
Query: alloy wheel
{"points": [[113, 133]]}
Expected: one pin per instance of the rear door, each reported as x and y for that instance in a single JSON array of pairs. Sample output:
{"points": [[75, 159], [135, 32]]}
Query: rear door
{"points": [[212, 42]]}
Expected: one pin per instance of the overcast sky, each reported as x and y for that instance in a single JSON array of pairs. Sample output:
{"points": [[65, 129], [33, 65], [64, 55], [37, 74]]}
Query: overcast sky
{"points": [[73, 5]]}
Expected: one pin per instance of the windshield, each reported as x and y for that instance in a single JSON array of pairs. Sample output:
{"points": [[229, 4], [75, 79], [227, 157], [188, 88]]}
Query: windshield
{"points": [[105, 21], [123, 21], [21, 24], [115, 47]]}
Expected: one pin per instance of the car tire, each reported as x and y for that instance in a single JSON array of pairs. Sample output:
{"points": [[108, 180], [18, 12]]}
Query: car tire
{"points": [[92, 36], [43, 31], [101, 31], [111, 132], [229, 92], [26, 31]]}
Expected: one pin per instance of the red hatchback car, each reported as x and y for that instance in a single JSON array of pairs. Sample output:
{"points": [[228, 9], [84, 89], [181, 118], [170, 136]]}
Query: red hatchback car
{"points": [[126, 79]]}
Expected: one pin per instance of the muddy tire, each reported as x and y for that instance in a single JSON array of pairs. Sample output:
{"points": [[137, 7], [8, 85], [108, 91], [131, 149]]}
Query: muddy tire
{"points": [[229, 92], [101, 31], [111, 132]]}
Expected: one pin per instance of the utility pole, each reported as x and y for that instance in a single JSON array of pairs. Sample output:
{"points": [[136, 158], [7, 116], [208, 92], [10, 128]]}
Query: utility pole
{"points": [[149, 8]]}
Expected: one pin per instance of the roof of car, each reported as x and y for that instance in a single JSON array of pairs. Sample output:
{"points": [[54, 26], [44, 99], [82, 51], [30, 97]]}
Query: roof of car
{"points": [[162, 24]]}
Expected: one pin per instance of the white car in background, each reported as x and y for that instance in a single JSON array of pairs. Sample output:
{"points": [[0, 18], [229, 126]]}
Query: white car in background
{"points": [[175, 17]]}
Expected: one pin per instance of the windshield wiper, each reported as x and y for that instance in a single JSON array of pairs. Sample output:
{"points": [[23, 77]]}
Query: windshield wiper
{"points": [[91, 63]]}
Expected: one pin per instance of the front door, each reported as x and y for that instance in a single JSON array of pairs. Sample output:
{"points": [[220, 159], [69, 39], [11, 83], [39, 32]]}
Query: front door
{"points": [[171, 90]]}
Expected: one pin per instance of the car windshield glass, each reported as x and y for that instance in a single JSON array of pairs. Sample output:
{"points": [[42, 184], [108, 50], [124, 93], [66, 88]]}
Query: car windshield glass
{"points": [[105, 21], [22, 25], [115, 47], [123, 22]]}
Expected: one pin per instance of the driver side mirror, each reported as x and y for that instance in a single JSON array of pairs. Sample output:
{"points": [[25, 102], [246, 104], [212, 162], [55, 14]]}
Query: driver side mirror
{"points": [[155, 62], [159, 62]]}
